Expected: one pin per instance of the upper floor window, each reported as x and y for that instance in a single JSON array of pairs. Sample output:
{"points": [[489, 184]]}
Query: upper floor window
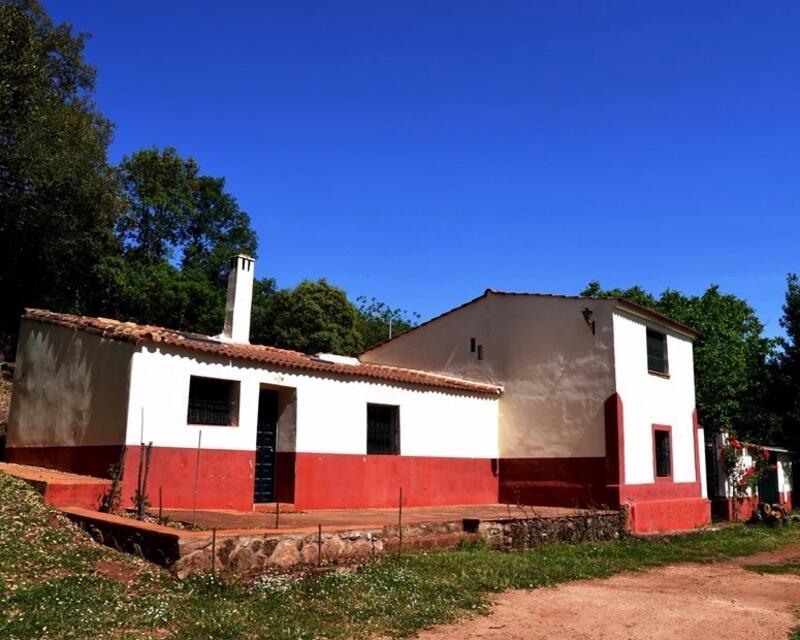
{"points": [[214, 402], [657, 361], [383, 429]]}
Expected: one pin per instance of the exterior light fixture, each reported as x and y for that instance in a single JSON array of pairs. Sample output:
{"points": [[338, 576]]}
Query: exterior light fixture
{"points": [[587, 315]]}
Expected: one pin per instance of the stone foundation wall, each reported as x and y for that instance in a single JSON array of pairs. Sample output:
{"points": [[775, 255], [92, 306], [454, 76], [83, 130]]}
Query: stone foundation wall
{"points": [[248, 553], [529, 533], [244, 554]]}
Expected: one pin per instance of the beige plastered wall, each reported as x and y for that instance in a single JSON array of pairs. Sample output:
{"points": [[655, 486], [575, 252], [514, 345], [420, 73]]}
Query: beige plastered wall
{"points": [[555, 372]]}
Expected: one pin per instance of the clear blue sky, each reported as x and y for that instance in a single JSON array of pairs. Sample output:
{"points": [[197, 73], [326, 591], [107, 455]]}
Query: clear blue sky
{"points": [[421, 152]]}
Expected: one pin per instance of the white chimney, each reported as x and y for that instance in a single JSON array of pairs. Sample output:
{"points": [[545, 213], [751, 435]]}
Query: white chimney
{"points": [[240, 300]]}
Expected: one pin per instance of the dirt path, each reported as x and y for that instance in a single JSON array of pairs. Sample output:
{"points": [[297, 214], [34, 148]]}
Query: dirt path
{"points": [[692, 601]]}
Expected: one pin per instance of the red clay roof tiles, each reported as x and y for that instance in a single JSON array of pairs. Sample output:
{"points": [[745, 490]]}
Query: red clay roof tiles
{"points": [[143, 334]]}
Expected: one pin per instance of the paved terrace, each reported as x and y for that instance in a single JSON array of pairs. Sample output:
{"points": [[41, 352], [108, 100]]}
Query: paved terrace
{"points": [[342, 519]]}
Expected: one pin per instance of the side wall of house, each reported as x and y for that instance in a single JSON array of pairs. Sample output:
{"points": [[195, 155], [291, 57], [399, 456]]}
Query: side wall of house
{"points": [[785, 489], [650, 402], [448, 439], [70, 397], [558, 377]]}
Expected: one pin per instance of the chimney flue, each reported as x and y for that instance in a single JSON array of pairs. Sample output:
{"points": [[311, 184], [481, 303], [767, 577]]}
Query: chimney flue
{"points": [[240, 300]]}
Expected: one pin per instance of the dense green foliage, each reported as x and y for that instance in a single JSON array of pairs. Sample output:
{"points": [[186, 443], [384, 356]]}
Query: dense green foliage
{"points": [[313, 317], [58, 195], [785, 387], [735, 364], [148, 240], [56, 583]]}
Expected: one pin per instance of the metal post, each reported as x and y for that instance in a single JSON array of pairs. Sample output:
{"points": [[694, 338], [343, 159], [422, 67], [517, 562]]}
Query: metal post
{"points": [[277, 514], [213, 549], [160, 505], [400, 522], [196, 479], [319, 545]]}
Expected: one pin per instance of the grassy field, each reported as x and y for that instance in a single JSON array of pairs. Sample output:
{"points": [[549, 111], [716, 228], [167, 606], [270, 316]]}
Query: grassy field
{"points": [[56, 583]]}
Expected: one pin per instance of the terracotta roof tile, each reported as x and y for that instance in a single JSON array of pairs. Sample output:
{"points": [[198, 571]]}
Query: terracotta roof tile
{"points": [[142, 334]]}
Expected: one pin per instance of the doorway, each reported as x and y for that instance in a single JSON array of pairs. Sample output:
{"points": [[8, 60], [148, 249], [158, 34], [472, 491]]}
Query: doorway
{"points": [[266, 444]]}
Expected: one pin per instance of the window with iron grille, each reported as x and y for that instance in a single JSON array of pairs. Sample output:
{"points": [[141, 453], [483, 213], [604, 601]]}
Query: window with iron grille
{"points": [[661, 438], [657, 361], [383, 429], [213, 401]]}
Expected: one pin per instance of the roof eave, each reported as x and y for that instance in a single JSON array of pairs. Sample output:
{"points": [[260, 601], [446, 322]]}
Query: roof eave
{"points": [[647, 314]]}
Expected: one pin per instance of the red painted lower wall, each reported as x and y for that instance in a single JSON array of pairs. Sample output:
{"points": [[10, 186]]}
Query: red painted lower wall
{"points": [[86, 460], [650, 516], [224, 478], [561, 482], [342, 481]]}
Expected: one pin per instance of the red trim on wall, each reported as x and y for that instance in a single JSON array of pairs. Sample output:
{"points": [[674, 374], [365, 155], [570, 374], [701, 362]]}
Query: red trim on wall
{"points": [[94, 460], [285, 462], [668, 515], [343, 481], [564, 482], [695, 428], [615, 440], [661, 491], [668, 429], [225, 478]]}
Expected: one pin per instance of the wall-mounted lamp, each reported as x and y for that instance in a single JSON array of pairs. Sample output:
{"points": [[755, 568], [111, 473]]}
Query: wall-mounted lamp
{"points": [[587, 315]]}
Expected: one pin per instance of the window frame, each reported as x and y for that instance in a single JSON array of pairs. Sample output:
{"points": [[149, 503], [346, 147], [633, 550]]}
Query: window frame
{"points": [[234, 396], [663, 428], [656, 372], [395, 426]]}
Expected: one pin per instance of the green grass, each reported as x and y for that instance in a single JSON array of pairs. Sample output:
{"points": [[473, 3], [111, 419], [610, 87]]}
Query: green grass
{"points": [[791, 567], [50, 586]]}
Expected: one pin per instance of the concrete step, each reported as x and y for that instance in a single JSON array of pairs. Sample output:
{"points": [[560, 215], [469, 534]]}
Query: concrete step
{"points": [[59, 488]]}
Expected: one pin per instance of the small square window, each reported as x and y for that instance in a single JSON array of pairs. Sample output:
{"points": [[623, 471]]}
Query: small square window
{"points": [[383, 429], [657, 361], [480, 352], [663, 453], [472, 345], [213, 402]]}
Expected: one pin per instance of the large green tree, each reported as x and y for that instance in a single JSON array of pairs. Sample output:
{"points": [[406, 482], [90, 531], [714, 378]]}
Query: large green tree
{"points": [[787, 365], [379, 321], [58, 195], [177, 231], [313, 317], [731, 356]]}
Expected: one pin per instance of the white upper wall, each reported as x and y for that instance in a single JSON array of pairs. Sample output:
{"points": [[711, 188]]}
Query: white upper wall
{"points": [[331, 412], [649, 399], [556, 374], [71, 388]]}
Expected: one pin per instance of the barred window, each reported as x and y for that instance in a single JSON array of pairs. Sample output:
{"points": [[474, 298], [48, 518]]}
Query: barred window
{"points": [[383, 429], [213, 402], [657, 361]]}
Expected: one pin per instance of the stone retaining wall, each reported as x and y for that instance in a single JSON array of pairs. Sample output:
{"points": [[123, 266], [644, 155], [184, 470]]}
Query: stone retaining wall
{"points": [[245, 554], [531, 532]]}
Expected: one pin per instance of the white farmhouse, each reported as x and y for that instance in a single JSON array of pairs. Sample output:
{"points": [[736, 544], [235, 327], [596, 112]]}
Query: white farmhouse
{"points": [[536, 399]]}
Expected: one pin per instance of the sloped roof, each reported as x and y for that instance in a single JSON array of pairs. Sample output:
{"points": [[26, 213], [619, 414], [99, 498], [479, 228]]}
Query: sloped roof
{"points": [[147, 334], [621, 302]]}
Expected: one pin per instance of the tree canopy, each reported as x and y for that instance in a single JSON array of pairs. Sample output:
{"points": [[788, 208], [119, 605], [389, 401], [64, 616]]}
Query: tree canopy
{"points": [[786, 376], [59, 197]]}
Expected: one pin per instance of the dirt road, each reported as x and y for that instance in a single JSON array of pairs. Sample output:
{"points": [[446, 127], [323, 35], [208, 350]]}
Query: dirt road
{"points": [[693, 601]]}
